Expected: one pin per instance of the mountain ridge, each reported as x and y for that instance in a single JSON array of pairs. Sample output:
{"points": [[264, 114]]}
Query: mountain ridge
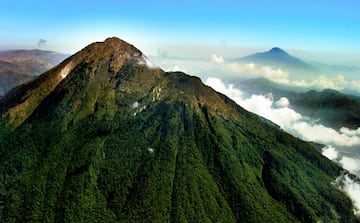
{"points": [[113, 140]]}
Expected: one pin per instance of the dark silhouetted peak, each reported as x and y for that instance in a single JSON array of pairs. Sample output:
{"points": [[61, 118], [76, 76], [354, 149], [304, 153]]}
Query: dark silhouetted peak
{"points": [[277, 57], [278, 51]]}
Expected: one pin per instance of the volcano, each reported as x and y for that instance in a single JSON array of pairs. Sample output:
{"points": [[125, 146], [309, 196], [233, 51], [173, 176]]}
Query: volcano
{"points": [[104, 137], [277, 57]]}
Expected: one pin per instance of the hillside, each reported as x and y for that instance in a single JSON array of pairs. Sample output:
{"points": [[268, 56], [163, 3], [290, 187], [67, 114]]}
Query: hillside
{"points": [[103, 137]]}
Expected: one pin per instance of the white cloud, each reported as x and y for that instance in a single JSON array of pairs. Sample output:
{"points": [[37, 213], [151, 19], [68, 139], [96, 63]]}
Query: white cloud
{"points": [[148, 63], [330, 152], [287, 118], [283, 102], [352, 189], [356, 85], [350, 132], [177, 68], [351, 164], [276, 75], [321, 134], [216, 64], [323, 82], [344, 182], [283, 77], [263, 106], [135, 105], [217, 59], [280, 76], [348, 163], [219, 86]]}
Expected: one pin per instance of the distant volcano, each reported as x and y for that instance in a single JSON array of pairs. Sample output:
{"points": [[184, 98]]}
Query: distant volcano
{"points": [[277, 58]]}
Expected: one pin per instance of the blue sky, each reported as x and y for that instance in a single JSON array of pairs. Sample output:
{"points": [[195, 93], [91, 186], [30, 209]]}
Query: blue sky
{"points": [[258, 24]]}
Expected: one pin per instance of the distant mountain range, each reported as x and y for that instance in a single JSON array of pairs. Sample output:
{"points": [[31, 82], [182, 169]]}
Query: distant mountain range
{"points": [[103, 137], [32, 62], [19, 66], [11, 76], [277, 58]]}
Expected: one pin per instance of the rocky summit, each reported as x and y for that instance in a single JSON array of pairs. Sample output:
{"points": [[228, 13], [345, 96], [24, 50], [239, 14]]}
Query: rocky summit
{"points": [[104, 137]]}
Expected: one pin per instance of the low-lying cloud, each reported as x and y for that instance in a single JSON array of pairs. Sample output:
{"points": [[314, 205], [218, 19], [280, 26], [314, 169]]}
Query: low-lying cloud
{"points": [[276, 75], [356, 85], [330, 152], [344, 182], [352, 189], [322, 82], [217, 59], [283, 102], [352, 164], [350, 132], [281, 76], [319, 133], [283, 115]]}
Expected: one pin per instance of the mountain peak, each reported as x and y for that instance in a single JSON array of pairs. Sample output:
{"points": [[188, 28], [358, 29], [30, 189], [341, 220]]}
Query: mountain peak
{"points": [[100, 60], [113, 48], [113, 51], [117, 44], [278, 50], [279, 58], [114, 39]]}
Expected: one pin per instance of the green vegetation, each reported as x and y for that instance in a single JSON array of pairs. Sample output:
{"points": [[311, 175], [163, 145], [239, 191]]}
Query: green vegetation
{"points": [[184, 154]]}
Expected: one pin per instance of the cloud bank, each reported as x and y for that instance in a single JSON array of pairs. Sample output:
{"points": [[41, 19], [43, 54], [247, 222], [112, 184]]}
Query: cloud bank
{"points": [[352, 164], [217, 59], [352, 189], [216, 65], [280, 76], [283, 115]]}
